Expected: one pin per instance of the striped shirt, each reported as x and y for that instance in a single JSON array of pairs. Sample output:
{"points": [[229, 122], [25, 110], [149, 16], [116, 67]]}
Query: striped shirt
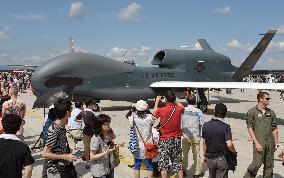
{"points": [[57, 140]]}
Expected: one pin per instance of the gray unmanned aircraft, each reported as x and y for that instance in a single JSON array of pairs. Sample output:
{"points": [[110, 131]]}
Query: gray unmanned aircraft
{"points": [[84, 75]]}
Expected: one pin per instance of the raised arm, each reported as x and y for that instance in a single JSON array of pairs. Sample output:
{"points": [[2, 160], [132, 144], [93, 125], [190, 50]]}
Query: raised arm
{"points": [[157, 101]]}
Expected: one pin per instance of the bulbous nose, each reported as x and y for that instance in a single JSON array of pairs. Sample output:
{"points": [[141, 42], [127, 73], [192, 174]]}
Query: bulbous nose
{"points": [[38, 85]]}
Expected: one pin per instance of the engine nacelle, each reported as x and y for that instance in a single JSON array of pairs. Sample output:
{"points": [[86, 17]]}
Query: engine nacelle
{"points": [[169, 58], [173, 58]]}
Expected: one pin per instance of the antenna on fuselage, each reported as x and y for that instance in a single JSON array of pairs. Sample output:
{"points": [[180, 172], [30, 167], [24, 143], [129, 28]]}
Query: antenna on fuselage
{"points": [[71, 45]]}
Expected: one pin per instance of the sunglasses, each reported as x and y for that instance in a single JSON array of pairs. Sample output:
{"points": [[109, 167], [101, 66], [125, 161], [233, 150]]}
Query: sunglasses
{"points": [[267, 99]]}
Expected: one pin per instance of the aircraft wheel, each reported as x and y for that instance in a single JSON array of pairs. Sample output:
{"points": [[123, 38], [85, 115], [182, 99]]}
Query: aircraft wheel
{"points": [[202, 106], [97, 108]]}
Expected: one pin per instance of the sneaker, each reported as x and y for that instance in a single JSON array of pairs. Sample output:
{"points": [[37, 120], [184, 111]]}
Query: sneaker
{"points": [[198, 175]]}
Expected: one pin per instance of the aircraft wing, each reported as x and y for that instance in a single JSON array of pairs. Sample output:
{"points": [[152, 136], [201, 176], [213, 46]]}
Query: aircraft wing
{"points": [[229, 85]]}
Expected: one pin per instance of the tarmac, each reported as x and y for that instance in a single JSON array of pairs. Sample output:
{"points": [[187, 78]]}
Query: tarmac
{"points": [[238, 103]]}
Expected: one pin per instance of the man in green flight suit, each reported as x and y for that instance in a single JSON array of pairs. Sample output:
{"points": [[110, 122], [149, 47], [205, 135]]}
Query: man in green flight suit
{"points": [[262, 127]]}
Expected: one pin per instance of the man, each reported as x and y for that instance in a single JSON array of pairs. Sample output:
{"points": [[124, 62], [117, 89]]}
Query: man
{"points": [[75, 126], [89, 119], [170, 139], [56, 150], [262, 128], [15, 155], [217, 137], [192, 121], [15, 106]]}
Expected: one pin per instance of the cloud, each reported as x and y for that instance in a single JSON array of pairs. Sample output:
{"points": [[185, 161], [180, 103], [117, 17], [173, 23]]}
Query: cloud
{"points": [[197, 46], [276, 46], [59, 51], [280, 30], [235, 44], [143, 51], [131, 12], [139, 55], [223, 10], [118, 53], [29, 16], [3, 35], [273, 63], [76, 10], [6, 59]]}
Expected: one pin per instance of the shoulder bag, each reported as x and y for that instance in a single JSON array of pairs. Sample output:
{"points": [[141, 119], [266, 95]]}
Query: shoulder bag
{"points": [[151, 149], [161, 128]]}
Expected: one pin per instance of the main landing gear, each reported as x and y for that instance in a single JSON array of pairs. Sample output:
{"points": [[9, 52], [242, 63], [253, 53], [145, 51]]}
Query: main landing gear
{"points": [[202, 103], [97, 108]]}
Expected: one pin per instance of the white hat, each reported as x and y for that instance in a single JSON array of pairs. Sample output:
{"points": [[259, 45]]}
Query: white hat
{"points": [[141, 105]]}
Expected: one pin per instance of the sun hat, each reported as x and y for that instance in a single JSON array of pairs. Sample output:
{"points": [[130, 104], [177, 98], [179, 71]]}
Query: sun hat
{"points": [[141, 105]]}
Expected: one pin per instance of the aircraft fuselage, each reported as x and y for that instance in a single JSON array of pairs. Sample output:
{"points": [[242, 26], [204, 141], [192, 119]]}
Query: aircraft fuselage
{"points": [[102, 78]]}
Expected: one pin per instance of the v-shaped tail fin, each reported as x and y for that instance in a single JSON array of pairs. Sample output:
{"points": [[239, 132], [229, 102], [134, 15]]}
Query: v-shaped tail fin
{"points": [[204, 45], [246, 67]]}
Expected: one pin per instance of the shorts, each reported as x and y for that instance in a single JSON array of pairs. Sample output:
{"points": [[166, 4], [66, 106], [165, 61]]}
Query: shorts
{"points": [[170, 149], [137, 164]]}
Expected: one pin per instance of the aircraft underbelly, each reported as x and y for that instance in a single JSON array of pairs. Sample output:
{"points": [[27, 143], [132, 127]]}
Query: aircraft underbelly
{"points": [[123, 94]]}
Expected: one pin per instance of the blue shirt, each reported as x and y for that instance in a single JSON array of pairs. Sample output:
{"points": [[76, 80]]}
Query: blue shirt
{"points": [[192, 120]]}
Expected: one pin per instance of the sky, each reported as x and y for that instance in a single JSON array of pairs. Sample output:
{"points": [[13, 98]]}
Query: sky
{"points": [[34, 31]]}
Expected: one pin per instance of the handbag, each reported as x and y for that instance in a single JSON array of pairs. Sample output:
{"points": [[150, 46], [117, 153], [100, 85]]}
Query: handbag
{"points": [[151, 149], [161, 128], [116, 159], [132, 146], [231, 159]]}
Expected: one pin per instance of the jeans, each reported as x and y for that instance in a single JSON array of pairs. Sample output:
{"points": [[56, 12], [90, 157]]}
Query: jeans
{"points": [[218, 167]]}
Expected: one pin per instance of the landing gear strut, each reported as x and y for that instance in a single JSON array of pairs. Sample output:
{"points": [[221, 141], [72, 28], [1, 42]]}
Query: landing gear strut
{"points": [[97, 108], [202, 103]]}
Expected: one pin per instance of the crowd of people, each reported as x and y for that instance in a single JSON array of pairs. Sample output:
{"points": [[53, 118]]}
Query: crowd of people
{"points": [[161, 140], [21, 80], [271, 78]]}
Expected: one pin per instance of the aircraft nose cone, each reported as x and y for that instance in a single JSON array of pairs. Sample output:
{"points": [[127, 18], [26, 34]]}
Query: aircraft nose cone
{"points": [[38, 85]]}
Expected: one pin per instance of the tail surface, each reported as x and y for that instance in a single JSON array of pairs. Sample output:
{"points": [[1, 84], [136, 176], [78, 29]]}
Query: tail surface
{"points": [[204, 45], [246, 67]]}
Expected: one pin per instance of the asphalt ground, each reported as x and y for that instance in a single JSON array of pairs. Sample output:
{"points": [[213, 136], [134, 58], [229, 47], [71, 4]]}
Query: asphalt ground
{"points": [[238, 103]]}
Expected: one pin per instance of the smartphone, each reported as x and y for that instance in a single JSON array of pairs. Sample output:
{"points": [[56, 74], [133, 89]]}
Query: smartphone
{"points": [[78, 154]]}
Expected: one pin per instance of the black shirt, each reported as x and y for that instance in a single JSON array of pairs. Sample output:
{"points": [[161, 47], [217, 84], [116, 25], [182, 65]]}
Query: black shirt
{"points": [[216, 133], [89, 119], [14, 155]]}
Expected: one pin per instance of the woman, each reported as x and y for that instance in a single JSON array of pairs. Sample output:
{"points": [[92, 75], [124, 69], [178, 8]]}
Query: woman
{"points": [[102, 148], [143, 123]]}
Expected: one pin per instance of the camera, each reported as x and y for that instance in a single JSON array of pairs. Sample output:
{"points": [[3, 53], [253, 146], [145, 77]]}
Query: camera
{"points": [[109, 143]]}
